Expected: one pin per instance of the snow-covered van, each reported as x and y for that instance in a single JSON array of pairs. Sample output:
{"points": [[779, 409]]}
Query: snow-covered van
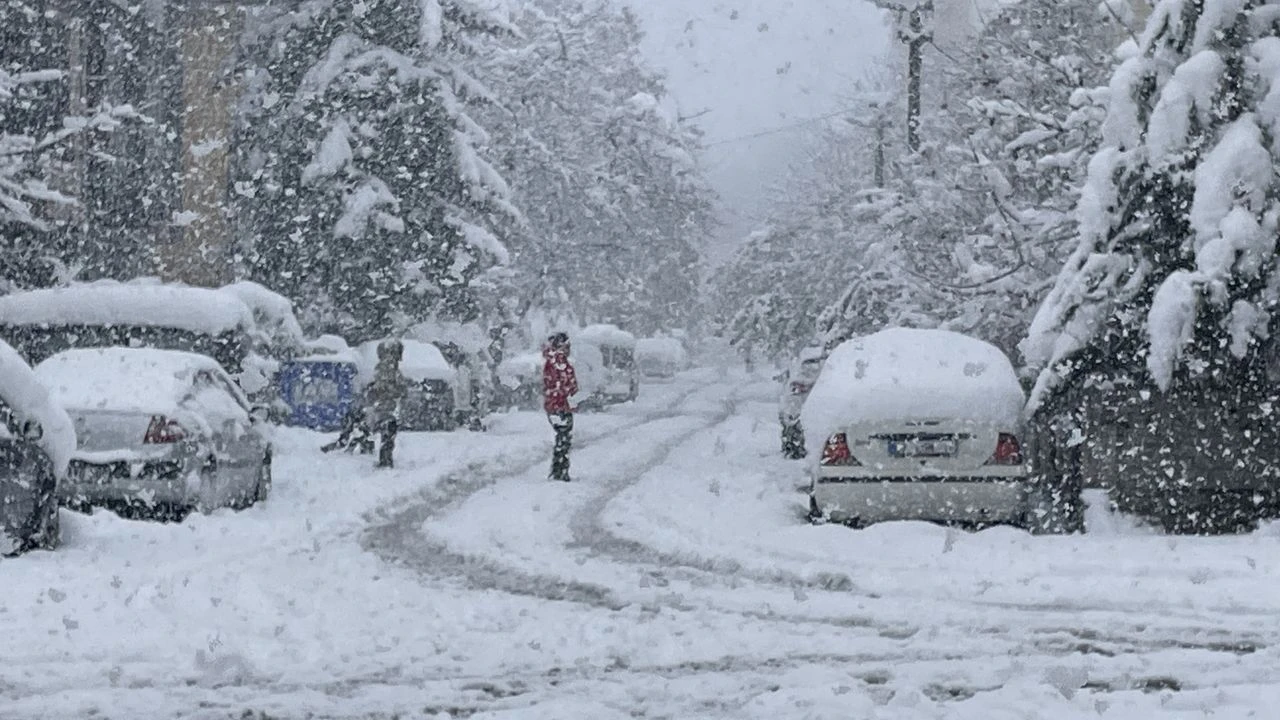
{"points": [[41, 323], [919, 424], [618, 377]]}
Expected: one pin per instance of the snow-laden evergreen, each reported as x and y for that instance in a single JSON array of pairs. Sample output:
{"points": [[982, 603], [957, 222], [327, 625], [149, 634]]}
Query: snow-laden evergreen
{"points": [[1174, 273], [28, 158], [359, 151]]}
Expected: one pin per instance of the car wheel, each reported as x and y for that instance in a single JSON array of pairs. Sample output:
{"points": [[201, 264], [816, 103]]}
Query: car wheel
{"points": [[51, 533], [208, 481], [815, 515], [263, 487], [793, 442], [1054, 509]]}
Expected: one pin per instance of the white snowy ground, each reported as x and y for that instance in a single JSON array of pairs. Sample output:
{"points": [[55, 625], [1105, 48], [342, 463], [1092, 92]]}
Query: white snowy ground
{"points": [[675, 579]]}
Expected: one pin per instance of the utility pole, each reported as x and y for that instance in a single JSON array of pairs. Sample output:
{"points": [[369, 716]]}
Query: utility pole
{"points": [[912, 19]]}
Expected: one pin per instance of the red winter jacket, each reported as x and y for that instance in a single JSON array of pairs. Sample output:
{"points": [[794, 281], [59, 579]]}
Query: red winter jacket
{"points": [[558, 381]]}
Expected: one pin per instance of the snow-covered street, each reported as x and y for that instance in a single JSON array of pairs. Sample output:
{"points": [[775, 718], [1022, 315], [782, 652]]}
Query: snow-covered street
{"points": [[676, 578]]}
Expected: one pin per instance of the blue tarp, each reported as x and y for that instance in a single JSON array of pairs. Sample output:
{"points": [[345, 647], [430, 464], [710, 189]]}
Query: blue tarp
{"points": [[318, 393]]}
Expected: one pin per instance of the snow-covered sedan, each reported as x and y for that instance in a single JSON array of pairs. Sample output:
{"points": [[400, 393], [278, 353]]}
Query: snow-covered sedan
{"points": [[160, 431], [918, 424], [36, 441]]}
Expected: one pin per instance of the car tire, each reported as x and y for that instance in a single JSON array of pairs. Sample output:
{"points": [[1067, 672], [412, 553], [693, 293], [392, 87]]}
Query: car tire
{"points": [[262, 488], [793, 443], [1053, 509], [815, 516]]}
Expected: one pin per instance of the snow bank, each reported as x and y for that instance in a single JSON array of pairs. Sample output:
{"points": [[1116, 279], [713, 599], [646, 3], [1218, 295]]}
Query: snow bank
{"points": [[901, 374], [606, 335], [201, 310], [28, 399], [142, 380]]}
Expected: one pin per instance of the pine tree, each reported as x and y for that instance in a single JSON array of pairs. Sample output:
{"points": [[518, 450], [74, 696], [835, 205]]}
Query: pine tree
{"points": [[362, 192], [1163, 314], [57, 156]]}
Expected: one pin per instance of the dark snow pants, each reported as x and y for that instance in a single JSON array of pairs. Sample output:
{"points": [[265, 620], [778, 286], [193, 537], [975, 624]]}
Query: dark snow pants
{"points": [[563, 424], [387, 446]]}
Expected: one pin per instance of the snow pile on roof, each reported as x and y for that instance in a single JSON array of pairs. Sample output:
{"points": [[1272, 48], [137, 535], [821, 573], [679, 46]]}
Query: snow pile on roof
{"points": [[518, 368], [660, 350], [328, 348], [421, 361], [605, 335], [107, 302], [27, 399], [813, 352], [907, 374], [468, 336], [143, 380], [272, 313]]}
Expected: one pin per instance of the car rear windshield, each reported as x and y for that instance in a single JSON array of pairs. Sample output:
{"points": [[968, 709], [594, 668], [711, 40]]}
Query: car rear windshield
{"points": [[37, 342]]}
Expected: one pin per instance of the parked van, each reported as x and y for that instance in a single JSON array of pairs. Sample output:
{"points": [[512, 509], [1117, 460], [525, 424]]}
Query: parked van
{"points": [[619, 379]]}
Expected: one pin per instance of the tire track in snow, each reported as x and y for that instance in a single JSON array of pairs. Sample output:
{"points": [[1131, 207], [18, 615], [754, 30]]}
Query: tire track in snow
{"points": [[397, 536]]}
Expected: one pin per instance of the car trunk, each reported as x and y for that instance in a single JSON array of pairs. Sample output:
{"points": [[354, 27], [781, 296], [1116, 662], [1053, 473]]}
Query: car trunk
{"points": [[930, 446]]}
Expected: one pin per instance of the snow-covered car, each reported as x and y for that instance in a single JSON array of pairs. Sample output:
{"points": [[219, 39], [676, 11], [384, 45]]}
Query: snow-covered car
{"points": [[36, 442], [919, 424], [467, 348], [161, 431], [40, 323], [797, 381], [618, 377], [436, 391], [660, 357], [520, 380]]}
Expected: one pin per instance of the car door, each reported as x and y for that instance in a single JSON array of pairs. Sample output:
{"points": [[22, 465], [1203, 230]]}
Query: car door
{"points": [[251, 444], [235, 440]]}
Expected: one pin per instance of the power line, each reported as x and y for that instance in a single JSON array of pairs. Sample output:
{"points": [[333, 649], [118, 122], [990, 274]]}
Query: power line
{"points": [[785, 128]]}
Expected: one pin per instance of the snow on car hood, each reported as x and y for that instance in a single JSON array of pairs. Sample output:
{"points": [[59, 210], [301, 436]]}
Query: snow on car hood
{"points": [[28, 399], [904, 374]]}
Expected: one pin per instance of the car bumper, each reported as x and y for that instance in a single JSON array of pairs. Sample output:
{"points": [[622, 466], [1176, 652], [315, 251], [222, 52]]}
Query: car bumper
{"points": [[998, 498], [152, 482]]}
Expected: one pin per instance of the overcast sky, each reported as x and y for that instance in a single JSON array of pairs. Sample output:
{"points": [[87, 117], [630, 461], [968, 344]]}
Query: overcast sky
{"points": [[755, 66]]}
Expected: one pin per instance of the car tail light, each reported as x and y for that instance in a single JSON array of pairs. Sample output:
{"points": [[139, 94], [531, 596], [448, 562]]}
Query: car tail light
{"points": [[163, 430], [1008, 451], [836, 452], [799, 388]]}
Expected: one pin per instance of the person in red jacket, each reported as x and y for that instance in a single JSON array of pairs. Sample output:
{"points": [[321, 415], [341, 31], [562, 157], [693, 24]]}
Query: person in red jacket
{"points": [[559, 383]]}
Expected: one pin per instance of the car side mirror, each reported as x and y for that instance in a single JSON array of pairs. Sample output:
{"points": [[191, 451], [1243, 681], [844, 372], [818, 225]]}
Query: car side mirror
{"points": [[32, 430], [259, 414]]}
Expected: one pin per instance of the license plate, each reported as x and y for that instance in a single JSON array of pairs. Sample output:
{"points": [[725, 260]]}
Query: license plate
{"points": [[922, 448], [91, 474]]}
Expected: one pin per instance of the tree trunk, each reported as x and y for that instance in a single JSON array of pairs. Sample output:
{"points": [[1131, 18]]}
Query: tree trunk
{"points": [[915, 44]]}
